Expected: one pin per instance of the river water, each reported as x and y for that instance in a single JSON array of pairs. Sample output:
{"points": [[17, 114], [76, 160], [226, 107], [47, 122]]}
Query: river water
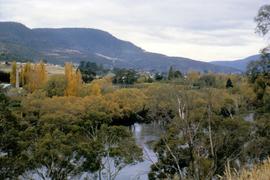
{"points": [[144, 134]]}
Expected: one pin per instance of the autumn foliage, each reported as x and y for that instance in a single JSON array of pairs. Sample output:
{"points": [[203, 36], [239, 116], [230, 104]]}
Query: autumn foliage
{"points": [[13, 73], [31, 76], [34, 76], [74, 80]]}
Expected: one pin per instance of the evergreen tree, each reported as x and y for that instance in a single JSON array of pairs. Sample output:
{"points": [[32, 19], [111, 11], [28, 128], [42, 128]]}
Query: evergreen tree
{"points": [[178, 74], [171, 73], [125, 76], [174, 74], [158, 77], [229, 83]]}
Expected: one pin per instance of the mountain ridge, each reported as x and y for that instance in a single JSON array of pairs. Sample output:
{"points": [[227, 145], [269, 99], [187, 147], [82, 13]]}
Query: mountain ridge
{"points": [[58, 45], [240, 64]]}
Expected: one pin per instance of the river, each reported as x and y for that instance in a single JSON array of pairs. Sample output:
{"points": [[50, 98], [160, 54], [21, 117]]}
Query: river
{"points": [[144, 134]]}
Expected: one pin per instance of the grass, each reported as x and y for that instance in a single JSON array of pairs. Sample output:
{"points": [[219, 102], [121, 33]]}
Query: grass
{"points": [[52, 70], [258, 172]]}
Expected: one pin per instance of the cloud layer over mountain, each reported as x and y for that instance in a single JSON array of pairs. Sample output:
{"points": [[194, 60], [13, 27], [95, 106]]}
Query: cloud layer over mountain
{"points": [[200, 29]]}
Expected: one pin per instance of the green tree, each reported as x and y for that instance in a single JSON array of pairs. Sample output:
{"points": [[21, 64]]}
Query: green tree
{"points": [[56, 85], [90, 70], [263, 20], [62, 137], [174, 74], [159, 77], [170, 73], [193, 146], [119, 150], [12, 162], [207, 80], [124, 76], [229, 83]]}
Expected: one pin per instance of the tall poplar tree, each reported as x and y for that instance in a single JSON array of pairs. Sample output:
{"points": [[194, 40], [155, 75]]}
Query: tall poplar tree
{"points": [[13, 73], [74, 80]]}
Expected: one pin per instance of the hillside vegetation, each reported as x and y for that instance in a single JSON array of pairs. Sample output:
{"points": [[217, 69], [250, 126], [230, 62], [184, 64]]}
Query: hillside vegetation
{"points": [[18, 42]]}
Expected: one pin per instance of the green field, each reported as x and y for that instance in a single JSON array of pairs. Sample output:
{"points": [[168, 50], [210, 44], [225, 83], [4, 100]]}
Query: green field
{"points": [[50, 68]]}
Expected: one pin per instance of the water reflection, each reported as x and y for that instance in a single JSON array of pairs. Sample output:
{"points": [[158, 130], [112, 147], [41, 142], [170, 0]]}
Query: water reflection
{"points": [[144, 135]]}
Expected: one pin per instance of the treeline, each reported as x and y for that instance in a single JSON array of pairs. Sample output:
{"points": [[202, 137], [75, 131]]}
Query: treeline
{"points": [[8, 57]]}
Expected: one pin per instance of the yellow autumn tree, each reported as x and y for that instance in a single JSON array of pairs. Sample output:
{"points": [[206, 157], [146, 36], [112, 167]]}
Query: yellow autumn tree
{"points": [[41, 73], [74, 80], [25, 73], [95, 89], [13, 73], [193, 76], [34, 77]]}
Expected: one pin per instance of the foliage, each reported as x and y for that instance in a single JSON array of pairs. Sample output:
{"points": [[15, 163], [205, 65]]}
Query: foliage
{"points": [[159, 77], [26, 74], [144, 78], [259, 75], [172, 74], [199, 140], [63, 137], [260, 68], [229, 83], [263, 20], [125, 105], [90, 70], [56, 85], [73, 79], [208, 80], [124, 76], [260, 171], [11, 129], [33, 76], [13, 73], [119, 150]]}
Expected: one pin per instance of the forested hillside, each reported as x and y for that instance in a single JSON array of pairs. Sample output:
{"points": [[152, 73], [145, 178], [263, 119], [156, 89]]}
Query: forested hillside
{"points": [[81, 44], [240, 64]]}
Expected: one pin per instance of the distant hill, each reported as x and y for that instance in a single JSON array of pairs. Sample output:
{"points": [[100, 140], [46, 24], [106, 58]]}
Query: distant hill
{"points": [[240, 64], [84, 44]]}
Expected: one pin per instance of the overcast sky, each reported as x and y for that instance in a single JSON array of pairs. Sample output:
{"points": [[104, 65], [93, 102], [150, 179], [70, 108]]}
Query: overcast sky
{"points": [[199, 29]]}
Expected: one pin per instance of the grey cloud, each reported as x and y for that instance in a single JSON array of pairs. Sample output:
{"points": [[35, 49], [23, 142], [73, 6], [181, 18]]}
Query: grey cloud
{"points": [[166, 25]]}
